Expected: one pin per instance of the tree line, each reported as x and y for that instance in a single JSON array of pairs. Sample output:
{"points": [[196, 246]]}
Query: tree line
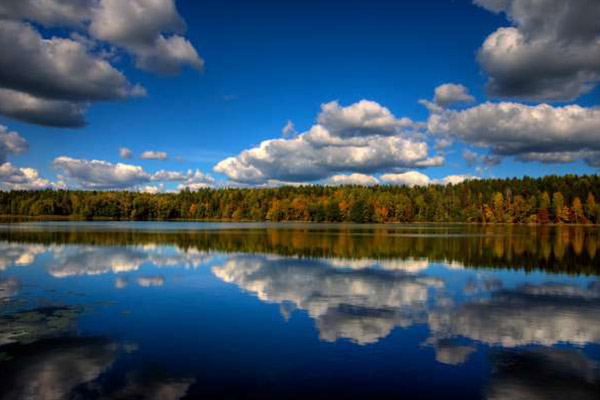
{"points": [[551, 199]]}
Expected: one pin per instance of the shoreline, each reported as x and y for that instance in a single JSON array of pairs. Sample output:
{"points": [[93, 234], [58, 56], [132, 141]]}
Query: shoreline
{"points": [[62, 218]]}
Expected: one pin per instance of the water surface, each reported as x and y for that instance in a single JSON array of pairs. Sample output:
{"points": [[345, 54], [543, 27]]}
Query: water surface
{"points": [[197, 310]]}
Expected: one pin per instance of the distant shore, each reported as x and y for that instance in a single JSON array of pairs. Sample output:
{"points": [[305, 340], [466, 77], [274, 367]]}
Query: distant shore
{"points": [[568, 199], [62, 218]]}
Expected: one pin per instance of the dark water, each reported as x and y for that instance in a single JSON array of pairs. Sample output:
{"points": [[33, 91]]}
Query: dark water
{"points": [[177, 310]]}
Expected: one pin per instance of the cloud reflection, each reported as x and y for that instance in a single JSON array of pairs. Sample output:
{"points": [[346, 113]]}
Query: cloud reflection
{"points": [[531, 314], [362, 300], [51, 370], [544, 373], [360, 304], [16, 254]]}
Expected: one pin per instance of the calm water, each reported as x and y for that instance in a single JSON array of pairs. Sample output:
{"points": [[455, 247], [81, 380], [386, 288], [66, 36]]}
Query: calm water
{"points": [[192, 310]]}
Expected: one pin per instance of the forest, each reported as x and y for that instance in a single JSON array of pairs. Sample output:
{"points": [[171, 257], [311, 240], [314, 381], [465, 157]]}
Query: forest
{"points": [[551, 199]]}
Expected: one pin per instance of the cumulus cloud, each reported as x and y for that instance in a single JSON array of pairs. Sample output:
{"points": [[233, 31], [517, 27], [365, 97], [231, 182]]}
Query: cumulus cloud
{"points": [[541, 132], [410, 178], [125, 153], [11, 143], [472, 158], [50, 81], [100, 174], [363, 137], [415, 178], [36, 110], [353, 179], [154, 155], [97, 174], [365, 118], [192, 180], [195, 180], [138, 26], [55, 68], [48, 12], [551, 52], [14, 178], [152, 189], [164, 175], [451, 93]]}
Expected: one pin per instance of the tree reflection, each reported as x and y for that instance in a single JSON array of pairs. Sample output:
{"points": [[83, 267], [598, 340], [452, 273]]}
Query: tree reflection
{"points": [[565, 249]]}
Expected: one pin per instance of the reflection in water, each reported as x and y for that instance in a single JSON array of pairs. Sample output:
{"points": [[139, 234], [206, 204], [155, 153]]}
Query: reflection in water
{"points": [[32, 325], [570, 249], [359, 304], [450, 352], [443, 292], [14, 254], [73, 367], [52, 369], [9, 287], [147, 281], [95, 260], [153, 388], [544, 373], [365, 305], [544, 315]]}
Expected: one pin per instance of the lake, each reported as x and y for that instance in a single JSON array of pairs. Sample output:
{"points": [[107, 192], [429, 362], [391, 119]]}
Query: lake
{"points": [[260, 311]]}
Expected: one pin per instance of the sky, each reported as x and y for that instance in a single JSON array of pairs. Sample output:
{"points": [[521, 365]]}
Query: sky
{"points": [[161, 95]]}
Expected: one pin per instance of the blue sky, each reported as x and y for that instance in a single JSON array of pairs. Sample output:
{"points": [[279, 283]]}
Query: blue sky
{"points": [[267, 63]]}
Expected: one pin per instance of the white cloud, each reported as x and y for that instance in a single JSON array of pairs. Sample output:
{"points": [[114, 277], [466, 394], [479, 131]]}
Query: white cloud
{"points": [[541, 132], [196, 180], [192, 180], [14, 178], [48, 12], [415, 178], [154, 155], [125, 153], [410, 178], [52, 80], [365, 118], [435, 161], [353, 179], [138, 26], [454, 179], [164, 175], [55, 68], [552, 51], [451, 93], [11, 143], [363, 137], [152, 189], [289, 129], [97, 174]]}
